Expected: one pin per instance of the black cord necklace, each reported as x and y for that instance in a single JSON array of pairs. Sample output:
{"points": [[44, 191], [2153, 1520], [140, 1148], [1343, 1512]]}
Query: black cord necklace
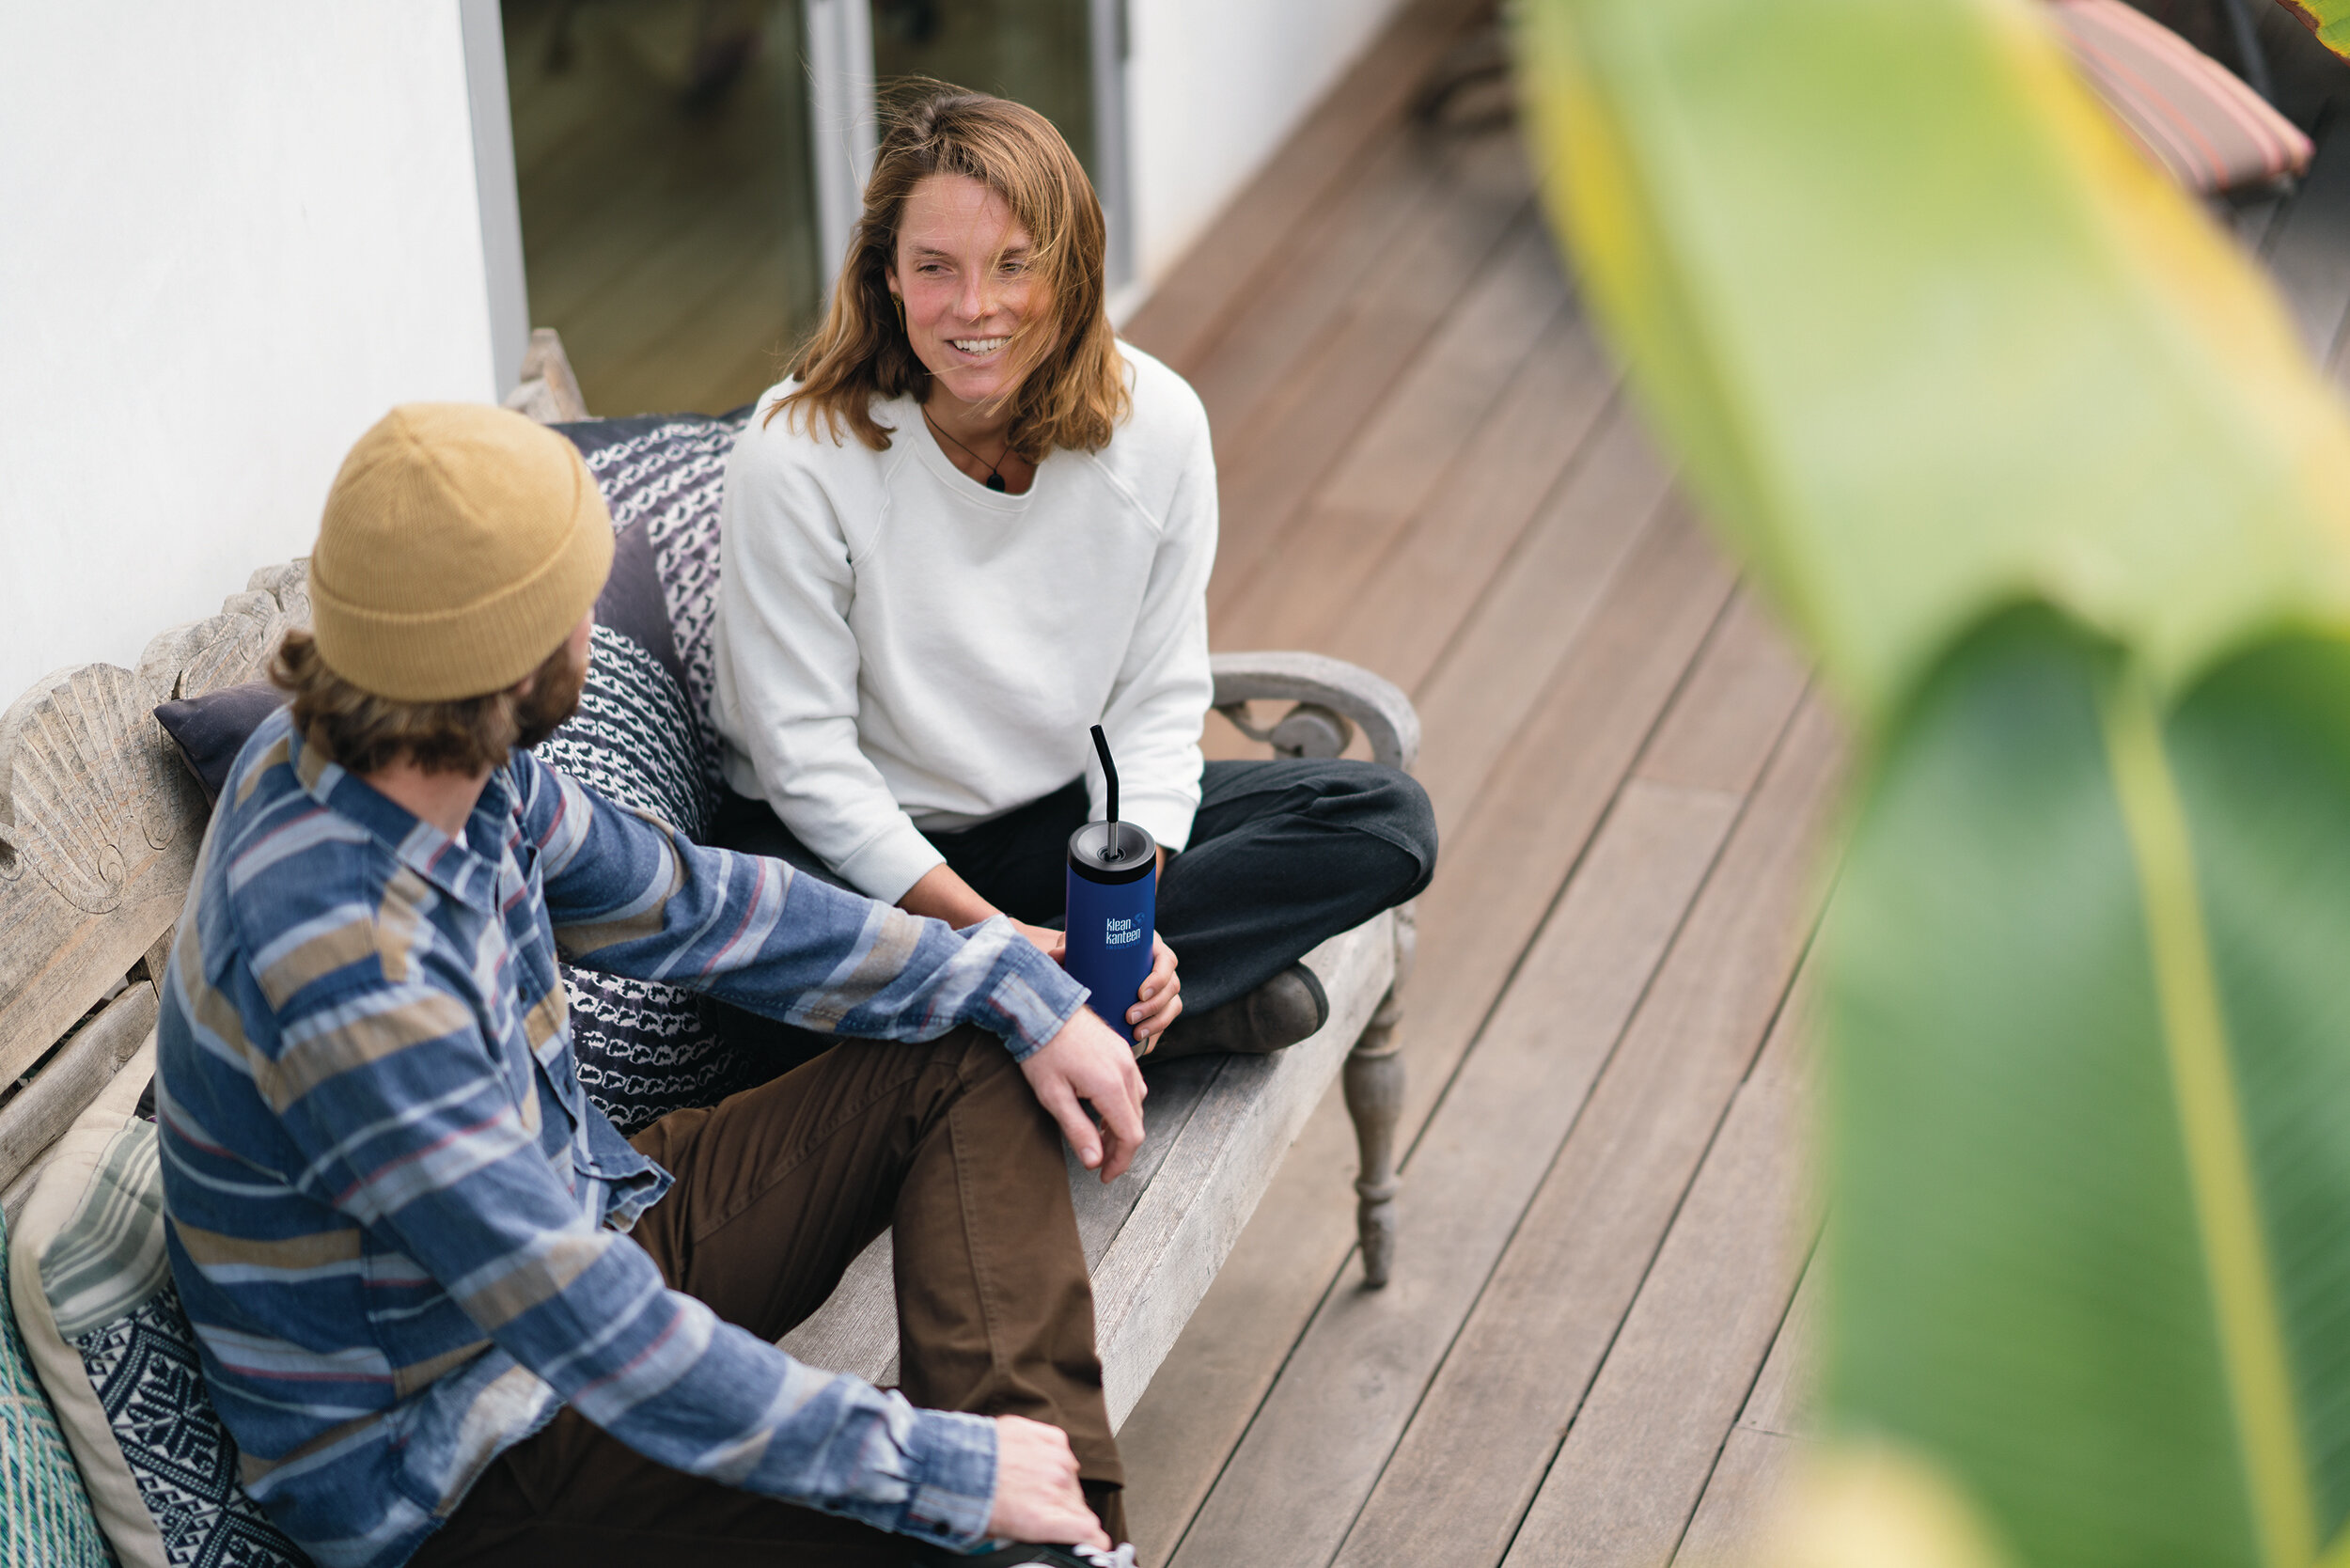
{"points": [[995, 480]]}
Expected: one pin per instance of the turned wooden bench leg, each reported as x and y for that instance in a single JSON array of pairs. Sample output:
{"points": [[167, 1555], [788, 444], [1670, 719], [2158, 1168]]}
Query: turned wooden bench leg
{"points": [[1374, 1099]]}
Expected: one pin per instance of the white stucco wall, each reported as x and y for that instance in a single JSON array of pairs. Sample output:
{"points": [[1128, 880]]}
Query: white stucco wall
{"points": [[230, 237], [1213, 88]]}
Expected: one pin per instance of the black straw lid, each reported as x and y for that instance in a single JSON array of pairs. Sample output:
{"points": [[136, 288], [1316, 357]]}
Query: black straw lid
{"points": [[1113, 852]]}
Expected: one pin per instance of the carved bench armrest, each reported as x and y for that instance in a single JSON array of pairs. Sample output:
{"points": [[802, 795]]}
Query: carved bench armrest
{"points": [[1331, 695]]}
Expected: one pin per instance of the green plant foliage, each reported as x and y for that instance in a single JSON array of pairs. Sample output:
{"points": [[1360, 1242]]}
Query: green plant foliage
{"points": [[2030, 460], [1930, 335], [2329, 19], [2032, 1259]]}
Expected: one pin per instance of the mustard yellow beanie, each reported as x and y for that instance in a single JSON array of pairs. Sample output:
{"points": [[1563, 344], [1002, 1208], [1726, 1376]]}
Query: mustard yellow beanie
{"points": [[461, 545]]}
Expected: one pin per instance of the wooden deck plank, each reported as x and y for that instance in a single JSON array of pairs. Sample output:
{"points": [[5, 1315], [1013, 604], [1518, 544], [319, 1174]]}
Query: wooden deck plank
{"points": [[1291, 306], [1747, 1486], [1352, 1383], [1644, 1443], [1747, 681], [1477, 1447], [1183, 1429], [1354, 1377], [1536, 809], [1194, 303], [1781, 1401], [1386, 473], [1533, 814], [1271, 465], [1743, 1493], [1509, 653], [1511, 554], [1422, 591], [1497, 879]]}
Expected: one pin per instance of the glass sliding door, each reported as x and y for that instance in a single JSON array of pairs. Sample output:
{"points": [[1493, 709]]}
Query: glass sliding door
{"points": [[669, 215], [1037, 51]]}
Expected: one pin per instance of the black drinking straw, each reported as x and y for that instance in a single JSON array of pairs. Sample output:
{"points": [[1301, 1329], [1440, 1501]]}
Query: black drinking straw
{"points": [[1109, 774]]}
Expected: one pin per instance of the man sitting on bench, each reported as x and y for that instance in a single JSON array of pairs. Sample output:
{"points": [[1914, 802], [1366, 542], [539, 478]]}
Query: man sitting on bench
{"points": [[447, 1312]]}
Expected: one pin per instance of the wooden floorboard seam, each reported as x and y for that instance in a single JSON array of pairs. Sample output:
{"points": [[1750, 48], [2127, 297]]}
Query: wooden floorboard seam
{"points": [[1340, 1535], [1297, 1341], [1724, 982], [1519, 545], [1772, 1056], [1294, 451], [1388, 1349], [1559, 894], [1647, 988], [1192, 323], [1616, 1334], [1643, 614], [1786, 1316]]}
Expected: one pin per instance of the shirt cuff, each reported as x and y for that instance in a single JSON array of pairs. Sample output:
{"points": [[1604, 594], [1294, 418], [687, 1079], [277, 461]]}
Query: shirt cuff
{"points": [[891, 861], [1033, 998], [1165, 817], [952, 1457]]}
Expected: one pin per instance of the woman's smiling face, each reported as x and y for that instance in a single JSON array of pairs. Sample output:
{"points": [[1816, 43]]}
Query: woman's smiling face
{"points": [[963, 273]]}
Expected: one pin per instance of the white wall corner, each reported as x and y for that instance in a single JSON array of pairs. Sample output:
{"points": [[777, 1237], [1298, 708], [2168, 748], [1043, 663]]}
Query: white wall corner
{"points": [[236, 235], [495, 191]]}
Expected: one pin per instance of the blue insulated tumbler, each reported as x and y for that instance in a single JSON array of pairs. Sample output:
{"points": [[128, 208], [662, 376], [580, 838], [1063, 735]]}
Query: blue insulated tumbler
{"points": [[1113, 905]]}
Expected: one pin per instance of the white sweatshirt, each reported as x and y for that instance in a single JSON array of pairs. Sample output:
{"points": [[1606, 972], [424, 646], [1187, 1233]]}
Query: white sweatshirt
{"points": [[899, 646]]}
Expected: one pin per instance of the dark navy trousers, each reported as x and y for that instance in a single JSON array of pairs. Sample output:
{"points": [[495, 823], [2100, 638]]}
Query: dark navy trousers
{"points": [[1283, 855]]}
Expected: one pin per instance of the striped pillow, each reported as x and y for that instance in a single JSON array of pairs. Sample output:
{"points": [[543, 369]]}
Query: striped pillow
{"points": [[106, 1329], [45, 1517], [2186, 110]]}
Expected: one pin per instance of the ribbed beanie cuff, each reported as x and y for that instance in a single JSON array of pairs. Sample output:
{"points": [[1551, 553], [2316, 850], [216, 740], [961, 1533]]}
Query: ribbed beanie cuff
{"points": [[461, 544]]}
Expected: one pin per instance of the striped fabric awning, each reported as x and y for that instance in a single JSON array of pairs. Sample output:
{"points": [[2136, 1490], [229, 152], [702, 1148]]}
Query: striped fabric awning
{"points": [[2191, 112]]}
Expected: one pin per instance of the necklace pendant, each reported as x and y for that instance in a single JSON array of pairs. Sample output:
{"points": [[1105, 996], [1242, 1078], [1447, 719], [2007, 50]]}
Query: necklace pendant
{"points": [[995, 483]]}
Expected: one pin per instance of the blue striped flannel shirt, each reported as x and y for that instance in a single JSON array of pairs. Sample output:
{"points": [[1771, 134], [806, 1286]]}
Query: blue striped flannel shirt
{"points": [[398, 1226]]}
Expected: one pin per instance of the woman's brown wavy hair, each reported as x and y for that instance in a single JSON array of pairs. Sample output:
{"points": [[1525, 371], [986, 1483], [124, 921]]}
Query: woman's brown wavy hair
{"points": [[1073, 388]]}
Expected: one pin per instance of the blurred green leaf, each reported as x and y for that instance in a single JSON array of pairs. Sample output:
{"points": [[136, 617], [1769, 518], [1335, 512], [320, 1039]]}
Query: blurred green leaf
{"points": [[2031, 1266], [2026, 453], [2329, 19], [1931, 336]]}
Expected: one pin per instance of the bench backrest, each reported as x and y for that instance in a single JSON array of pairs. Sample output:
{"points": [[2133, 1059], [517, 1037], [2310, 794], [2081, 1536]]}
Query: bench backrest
{"points": [[99, 828]]}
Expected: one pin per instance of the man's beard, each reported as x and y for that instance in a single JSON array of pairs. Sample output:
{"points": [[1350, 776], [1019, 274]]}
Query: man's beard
{"points": [[552, 698]]}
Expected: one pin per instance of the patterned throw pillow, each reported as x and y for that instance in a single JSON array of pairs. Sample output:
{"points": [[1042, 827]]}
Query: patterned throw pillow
{"points": [[669, 470], [644, 1048], [142, 1423], [45, 1517], [640, 740], [151, 1386]]}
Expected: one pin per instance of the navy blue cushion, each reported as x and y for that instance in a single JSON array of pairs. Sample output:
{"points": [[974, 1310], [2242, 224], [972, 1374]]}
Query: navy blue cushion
{"points": [[210, 729]]}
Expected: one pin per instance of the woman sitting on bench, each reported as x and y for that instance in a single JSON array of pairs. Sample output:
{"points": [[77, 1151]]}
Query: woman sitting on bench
{"points": [[972, 524]]}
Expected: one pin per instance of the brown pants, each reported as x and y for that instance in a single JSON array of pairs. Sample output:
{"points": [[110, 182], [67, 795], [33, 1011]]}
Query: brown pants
{"points": [[777, 1189]]}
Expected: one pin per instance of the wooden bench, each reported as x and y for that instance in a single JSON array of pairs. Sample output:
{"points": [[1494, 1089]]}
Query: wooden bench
{"points": [[98, 829]]}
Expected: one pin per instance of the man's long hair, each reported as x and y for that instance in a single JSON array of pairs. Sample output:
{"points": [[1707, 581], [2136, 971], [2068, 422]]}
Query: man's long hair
{"points": [[363, 732], [1073, 391]]}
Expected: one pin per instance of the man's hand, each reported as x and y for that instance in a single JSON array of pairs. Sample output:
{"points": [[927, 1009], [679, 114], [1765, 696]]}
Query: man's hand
{"points": [[1087, 1061], [1036, 1494], [1160, 1000]]}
